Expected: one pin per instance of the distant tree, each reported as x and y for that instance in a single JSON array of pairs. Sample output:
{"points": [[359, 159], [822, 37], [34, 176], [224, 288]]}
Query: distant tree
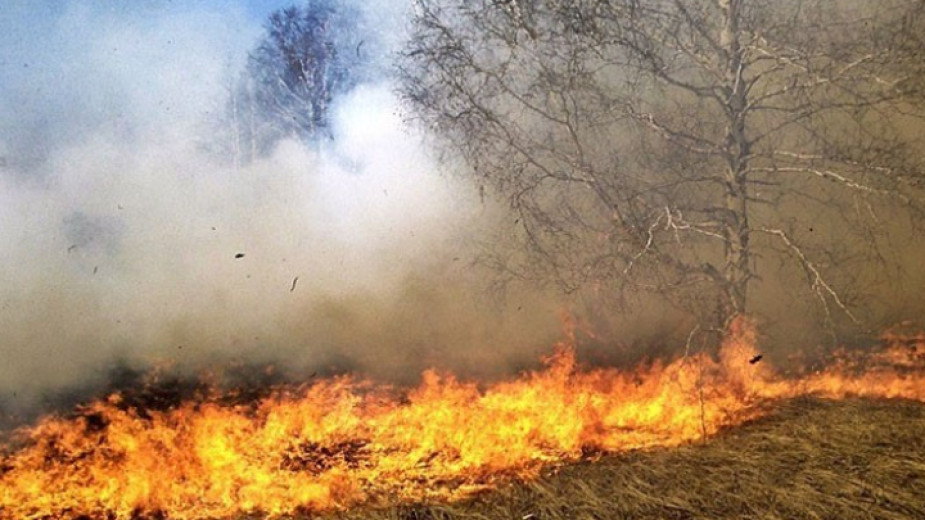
{"points": [[683, 148], [307, 56]]}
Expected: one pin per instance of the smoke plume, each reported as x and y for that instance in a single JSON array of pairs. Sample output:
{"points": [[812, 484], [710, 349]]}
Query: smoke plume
{"points": [[125, 239]]}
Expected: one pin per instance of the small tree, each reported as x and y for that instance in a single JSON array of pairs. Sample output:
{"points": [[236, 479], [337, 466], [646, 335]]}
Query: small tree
{"points": [[683, 147]]}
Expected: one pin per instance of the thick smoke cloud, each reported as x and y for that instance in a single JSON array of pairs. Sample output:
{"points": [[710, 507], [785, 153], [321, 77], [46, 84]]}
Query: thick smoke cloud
{"points": [[120, 231]]}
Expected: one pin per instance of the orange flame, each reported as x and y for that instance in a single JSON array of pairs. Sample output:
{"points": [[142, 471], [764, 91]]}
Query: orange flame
{"points": [[342, 442]]}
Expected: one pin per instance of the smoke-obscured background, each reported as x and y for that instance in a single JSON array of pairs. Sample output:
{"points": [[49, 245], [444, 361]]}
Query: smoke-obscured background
{"points": [[180, 188], [122, 213]]}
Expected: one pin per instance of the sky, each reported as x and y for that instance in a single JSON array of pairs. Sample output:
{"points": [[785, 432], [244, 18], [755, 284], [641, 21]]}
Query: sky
{"points": [[88, 63], [119, 228]]}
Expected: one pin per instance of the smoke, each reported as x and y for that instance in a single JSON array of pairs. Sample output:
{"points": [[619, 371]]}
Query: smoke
{"points": [[123, 238]]}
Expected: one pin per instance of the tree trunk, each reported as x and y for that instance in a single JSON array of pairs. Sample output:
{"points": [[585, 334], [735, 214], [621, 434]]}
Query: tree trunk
{"points": [[736, 269]]}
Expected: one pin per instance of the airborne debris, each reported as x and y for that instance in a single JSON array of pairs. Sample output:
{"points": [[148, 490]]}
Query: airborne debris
{"points": [[239, 255], [294, 282], [755, 359]]}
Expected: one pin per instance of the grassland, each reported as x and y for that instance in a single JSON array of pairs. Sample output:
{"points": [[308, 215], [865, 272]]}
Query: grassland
{"points": [[808, 459]]}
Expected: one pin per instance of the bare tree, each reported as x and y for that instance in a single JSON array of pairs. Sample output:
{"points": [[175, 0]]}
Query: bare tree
{"points": [[298, 67], [683, 147], [307, 56]]}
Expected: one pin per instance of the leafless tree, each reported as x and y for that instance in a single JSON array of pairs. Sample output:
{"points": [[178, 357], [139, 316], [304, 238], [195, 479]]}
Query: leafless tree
{"points": [[307, 56], [684, 147]]}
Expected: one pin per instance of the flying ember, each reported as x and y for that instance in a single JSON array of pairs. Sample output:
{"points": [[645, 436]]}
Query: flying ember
{"points": [[344, 442]]}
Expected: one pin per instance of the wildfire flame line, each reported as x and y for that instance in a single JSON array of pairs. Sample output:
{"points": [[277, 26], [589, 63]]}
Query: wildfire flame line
{"points": [[341, 442]]}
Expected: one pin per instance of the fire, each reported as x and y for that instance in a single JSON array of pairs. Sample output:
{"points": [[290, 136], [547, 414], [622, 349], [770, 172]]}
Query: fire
{"points": [[344, 442]]}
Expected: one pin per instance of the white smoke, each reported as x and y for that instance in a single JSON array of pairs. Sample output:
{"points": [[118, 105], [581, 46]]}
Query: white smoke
{"points": [[119, 232]]}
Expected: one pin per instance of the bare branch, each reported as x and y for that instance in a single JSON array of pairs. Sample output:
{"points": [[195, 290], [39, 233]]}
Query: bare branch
{"points": [[820, 286]]}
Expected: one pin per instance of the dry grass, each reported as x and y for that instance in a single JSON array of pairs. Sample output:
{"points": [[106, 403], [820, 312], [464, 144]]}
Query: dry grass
{"points": [[812, 459]]}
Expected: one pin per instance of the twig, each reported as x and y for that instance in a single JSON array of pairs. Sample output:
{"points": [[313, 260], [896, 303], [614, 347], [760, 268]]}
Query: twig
{"points": [[687, 350]]}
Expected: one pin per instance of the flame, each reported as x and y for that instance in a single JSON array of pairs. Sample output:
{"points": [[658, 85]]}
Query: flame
{"points": [[344, 442]]}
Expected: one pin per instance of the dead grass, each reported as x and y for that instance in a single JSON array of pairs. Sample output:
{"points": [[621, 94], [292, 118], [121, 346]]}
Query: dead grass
{"points": [[809, 459]]}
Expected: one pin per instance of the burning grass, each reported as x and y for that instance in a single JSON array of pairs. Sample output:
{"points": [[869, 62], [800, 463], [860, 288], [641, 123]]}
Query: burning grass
{"points": [[809, 458], [341, 443]]}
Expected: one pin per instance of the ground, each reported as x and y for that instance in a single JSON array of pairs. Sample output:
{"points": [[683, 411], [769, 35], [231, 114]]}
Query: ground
{"points": [[809, 458]]}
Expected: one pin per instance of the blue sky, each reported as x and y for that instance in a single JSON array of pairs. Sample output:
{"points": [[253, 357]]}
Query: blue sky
{"points": [[71, 66], [255, 8]]}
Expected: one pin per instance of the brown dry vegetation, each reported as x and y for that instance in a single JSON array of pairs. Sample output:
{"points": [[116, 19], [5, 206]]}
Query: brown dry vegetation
{"points": [[810, 458]]}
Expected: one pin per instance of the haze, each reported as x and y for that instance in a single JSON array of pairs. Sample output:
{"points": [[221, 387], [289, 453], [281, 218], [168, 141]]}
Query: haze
{"points": [[120, 230]]}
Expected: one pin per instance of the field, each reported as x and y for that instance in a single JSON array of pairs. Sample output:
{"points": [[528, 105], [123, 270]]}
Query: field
{"points": [[630, 445], [809, 458]]}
